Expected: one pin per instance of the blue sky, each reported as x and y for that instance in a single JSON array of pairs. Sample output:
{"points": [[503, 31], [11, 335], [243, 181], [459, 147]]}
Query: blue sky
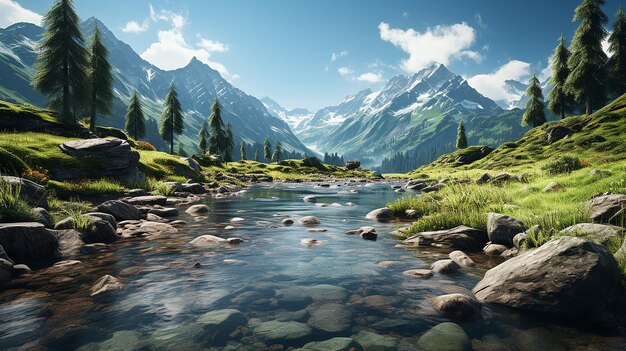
{"points": [[313, 53]]}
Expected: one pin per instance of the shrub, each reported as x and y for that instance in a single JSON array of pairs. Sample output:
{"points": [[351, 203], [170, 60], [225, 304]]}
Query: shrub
{"points": [[39, 176], [562, 164], [353, 164], [12, 207], [144, 145]]}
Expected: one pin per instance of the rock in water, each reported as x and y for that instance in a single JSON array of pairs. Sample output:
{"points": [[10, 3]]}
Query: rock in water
{"points": [[334, 344], [105, 284], [377, 342], [444, 337], [502, 228], [309, 220], [461, 237], [567, 277], [331, 318], [461, 258], [445, 266], [279, 332], [196, 210], [118, 159], [120, 210], [458, 307], [31, 192], [28, 242], [209, 241], [220, 323], [380, 214]]}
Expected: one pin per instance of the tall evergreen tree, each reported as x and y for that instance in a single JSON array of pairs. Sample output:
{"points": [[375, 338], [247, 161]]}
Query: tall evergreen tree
{"points": [[559, 99], [278, 152], [242, 150], [230, 144], [617, 48], [218, 139], [588, 61], [171, 118], [101, 79], [267, 150], [461, 138], [203, 138], [135, 121], [534, 114], [256, 155], [62, 60]]}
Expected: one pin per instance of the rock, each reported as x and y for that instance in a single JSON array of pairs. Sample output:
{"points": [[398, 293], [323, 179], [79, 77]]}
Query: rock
{"points": [[557, 133], [28, 242], [380, 214], [136, 192], [118, 160], [445, 266], [147, 228], [502, 177], [461, 258], [32, 193], [419, 273], [473, 154], [433, 188], [309, 220], [237, 220], [461, 237], [310, 198], [369, 235], [43, 217], [495, 249], [192, 164], [608, 208], [234, 241], [106, 284], [104, 216], [196, 210], [287, 222], [149, 200], [553, 187], [310, 242], [371, 341], [208, 241], [221, 323], [184, 337], [124, 340], [120, 210], [599, 233], [412, 214], [485, 178], [519, 240], [67, 223], [502, 228], [458, 307], [101, 232], [165, 212], [334, 344], [178, 222], [193, 188], [567, 277], [6, 272], [444, 337], [599, 173], [282, 332], [4, 255], [333, 318], [20, 269], [400, 190], [416, 186]]}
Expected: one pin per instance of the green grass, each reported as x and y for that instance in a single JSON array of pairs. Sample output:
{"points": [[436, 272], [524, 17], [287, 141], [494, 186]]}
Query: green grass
{"points": [[87, 187], [12, 208], [152, 185], [9, 110]]}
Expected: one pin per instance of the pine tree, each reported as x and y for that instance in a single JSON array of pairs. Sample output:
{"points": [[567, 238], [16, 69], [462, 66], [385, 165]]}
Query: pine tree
{"points": [[171, 118], [181, 150], [278, 152], [461, 139], [267, 150], [203, 142], [61, 61], [230, 144], [587, 63], [534, 114], [617, 48], [100, 78], [559, 99], [242, 150], [256, 155], [135, 121], [217, 141]]}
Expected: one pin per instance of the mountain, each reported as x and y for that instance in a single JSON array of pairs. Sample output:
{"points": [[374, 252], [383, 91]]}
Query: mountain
{"points": [[295, 118], [197, 84], [518, 88], [417, 113]]}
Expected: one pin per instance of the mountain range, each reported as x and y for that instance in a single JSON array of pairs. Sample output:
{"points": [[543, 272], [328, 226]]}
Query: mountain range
{"points": [[197, 84]]}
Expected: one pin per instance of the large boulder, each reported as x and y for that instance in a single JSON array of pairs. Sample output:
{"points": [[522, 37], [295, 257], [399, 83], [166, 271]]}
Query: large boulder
{"points": [[121, 210], [473, 154], [458, 307], [608, 208], [148, 200], [117, 158], [380, 214], [557, 133], [567, 277], [598, 233], [502, 228], [6, 272], [461, 237], [28, 243], [34, 194]]}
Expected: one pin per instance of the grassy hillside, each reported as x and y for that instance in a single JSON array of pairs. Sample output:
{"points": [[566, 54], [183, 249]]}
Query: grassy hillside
{"points": [[597, 142]]}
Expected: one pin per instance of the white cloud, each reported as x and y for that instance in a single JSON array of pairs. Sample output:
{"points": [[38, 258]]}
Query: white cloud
{"points": [[345, 71], [135, 27], [178, 20], [479, 20], [405, 14], [370, 77], [493, 85], [440, 44], [11, 12], [212, 45], [334, 56]]}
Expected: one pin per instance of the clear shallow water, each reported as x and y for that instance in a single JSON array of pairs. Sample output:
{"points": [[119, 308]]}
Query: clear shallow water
{"points": [[270, 277]]}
